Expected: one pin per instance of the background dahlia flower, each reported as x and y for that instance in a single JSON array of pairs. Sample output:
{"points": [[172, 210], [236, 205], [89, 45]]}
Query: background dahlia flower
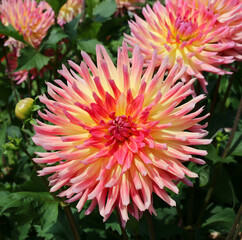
{"points": [[19, 76], [29, 18], [228, 12], [70, 10], [117, 135], [186, 36]]}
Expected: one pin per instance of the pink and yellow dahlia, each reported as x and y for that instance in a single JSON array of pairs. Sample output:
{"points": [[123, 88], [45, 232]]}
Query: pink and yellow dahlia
{"points": [[187, 36], [225, 10], [228, 12], [19, 76], [29, 18], [118, 134], [14, 45], [70, 10]]}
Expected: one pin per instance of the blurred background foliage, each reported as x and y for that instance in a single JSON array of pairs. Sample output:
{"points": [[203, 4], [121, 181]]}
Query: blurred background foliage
{"points": [[29, 211]]}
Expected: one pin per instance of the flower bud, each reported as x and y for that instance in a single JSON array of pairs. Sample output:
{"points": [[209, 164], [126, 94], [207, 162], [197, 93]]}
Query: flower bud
{"points": [[23, 108]]}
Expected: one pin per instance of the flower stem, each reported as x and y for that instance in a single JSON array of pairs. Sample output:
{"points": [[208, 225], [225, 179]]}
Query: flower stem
{"points": [[71, 220], [125, 236], [214, 97], [38, 85], [233, 129], [217, 172], [227, 92], [150, 225], [236, 226], [29, 85], [11, 80], [219, 165]]}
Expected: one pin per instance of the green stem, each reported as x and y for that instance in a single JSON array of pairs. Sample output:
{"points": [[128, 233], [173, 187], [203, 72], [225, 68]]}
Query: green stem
{"points": [[124, 234], [29, 85], [38, 85], [236, 226], [209, 193], [214, 98], [190, 206], [150, 225], [231, 79], [233, 129], [219, 165], [11, 79], [71, 220], [179, 212]]}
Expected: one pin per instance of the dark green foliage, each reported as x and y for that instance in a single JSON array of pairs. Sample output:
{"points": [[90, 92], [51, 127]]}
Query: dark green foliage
{"points": [[31, 58], [56, 34], [104, 10], [29, 211], [56, 5], [71, 28], [10, 31]]}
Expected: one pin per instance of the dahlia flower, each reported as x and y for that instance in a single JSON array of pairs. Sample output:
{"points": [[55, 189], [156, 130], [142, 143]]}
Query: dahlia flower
{"points": [[14, 45], [130, 5], [22, 75], [19, 76], [118, 134], [228, 12], [29, 18], [70, 10], [186, 36]]}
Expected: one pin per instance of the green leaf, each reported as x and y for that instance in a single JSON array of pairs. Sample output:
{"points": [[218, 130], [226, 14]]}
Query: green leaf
{"points": [[3, 134], [11, 32], [23, 229], [56, 34], [214, 157], [224, 191], [90, 5], [220, 120], [112, 223], [104, 10], [14, 131], [35, 184], [236, 146], [61, 230], [166, 223], [204, 176], [31, 58], [88, 45], [30, 208], [56, 5], [71, 27], [220, 219], [89, 29]]}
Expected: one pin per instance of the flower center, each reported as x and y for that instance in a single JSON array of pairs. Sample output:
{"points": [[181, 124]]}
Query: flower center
{"points": [[121, 127], [184, 29]]}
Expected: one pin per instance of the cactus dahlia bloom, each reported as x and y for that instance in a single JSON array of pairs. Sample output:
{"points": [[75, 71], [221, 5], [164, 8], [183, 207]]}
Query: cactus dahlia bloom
{"points": [[188, 37], [69, 11], [19, 76], [29, 18], [228, 12], [118, 134]]}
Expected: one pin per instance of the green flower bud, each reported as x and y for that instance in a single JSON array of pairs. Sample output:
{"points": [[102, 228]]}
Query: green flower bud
{"points": [[23, 108]]}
